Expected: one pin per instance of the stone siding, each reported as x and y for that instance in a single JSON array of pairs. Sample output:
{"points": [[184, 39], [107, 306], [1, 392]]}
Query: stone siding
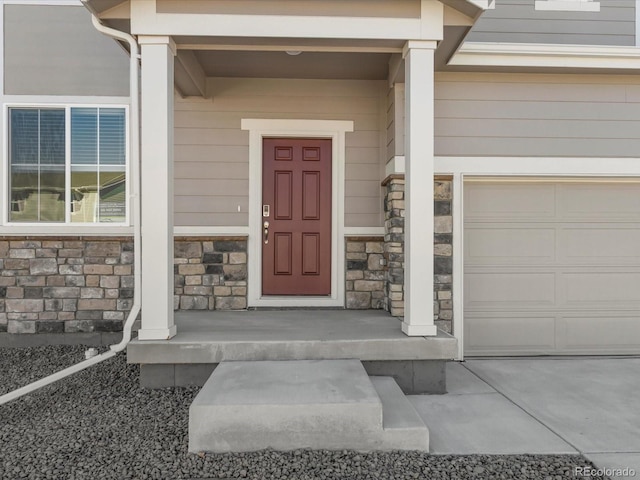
{"points": [[394, 244], [442, 249], [65, 285], [85, 284], [210, 273], [365, 273], [443, 254]]}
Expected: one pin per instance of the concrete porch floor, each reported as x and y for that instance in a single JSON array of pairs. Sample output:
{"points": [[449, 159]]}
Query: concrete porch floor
{"points": [[206, 338]]}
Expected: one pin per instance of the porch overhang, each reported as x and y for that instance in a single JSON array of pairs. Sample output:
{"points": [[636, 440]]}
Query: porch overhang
{"points": [[213, 38]]}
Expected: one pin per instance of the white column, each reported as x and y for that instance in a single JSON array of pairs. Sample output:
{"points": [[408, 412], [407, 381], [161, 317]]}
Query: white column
{"points": [[157, 187], [419, 152]]}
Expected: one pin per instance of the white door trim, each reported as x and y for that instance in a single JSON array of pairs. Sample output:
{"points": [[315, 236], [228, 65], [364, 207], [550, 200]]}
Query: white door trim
{"points": [[334, 130], [479, 168]]}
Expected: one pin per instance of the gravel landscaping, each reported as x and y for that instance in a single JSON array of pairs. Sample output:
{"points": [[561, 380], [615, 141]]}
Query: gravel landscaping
{"points": [[99, 424]]}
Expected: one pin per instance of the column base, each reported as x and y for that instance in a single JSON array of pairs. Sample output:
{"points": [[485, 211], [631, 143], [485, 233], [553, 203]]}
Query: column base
{"points": [[157, 333], [419, 330]]}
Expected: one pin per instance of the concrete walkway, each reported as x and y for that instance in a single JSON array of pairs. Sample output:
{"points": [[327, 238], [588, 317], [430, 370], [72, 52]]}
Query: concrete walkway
{"points": [[557, 405]]}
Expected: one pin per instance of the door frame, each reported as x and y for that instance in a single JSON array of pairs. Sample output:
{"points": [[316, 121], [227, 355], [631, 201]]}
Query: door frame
{"points": [[331, 129]]}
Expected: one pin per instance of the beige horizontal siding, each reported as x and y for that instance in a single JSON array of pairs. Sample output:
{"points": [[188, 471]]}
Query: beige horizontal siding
{"points": [[212, 152], [356, 8], [537, 115], [518, 21], [54, 50]]}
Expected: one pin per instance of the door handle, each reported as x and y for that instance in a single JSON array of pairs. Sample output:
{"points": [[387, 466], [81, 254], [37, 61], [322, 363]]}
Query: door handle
{"points": [[266, 232]]}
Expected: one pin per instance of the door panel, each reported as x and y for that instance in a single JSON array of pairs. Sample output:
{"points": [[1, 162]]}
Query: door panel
{"points": [[296, 184]]}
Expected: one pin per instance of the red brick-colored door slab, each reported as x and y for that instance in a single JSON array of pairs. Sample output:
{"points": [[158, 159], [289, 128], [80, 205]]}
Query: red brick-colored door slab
{"points": [[296, 244]]}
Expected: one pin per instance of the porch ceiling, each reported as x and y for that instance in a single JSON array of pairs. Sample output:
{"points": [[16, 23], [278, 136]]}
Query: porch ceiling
{"points": [[322, 65]]}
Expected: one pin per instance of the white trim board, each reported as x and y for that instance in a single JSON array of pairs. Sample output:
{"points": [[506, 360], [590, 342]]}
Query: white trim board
{"points": [[56, 3], [487, 54], [363, 231], [230, 231], [333, 129], [539, 166], [567, 5]]}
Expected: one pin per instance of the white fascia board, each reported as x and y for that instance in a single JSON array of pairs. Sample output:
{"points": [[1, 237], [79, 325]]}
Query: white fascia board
{"points": [[542, 55], [273, 26]]}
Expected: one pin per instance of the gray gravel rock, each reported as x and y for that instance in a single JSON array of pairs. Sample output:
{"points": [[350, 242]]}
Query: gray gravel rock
{"points": [[99, 424]]}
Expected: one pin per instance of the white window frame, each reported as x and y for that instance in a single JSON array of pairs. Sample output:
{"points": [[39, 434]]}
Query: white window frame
{"points": [[568, 5], [62, 227]]}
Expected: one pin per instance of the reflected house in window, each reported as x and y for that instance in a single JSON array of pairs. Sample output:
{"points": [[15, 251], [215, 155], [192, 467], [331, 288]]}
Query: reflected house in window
{"points": [[104, 203]]}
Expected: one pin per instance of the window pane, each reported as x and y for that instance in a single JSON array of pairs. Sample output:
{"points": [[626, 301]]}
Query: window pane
{"points": [[52, 193], [84, 136], [84, 194], [52, 137], [112, 136], [37, 151], [112, 194], [24, 136], [24, 193]]}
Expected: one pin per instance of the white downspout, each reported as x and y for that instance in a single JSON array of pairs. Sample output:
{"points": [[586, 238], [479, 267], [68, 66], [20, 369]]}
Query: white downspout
{"points": [[134, 127]]}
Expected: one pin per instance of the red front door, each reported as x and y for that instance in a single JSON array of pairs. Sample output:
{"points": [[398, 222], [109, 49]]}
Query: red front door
{"points": [[296, 220]]}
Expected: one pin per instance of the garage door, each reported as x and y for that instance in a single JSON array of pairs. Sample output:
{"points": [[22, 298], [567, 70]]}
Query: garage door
{"points": [[551, 267]]}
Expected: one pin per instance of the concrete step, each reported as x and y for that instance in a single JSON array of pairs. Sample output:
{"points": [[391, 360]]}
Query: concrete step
{"points": [[286, 405], [403, 427]]}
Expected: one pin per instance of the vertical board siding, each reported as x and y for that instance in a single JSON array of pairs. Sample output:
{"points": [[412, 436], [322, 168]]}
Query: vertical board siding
{"points": [[54, 50], [517, 21], [537, 115], [212, 152]]}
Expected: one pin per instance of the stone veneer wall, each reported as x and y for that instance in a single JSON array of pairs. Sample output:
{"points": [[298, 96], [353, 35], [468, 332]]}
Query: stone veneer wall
{"points": [[365, 273], [85, 284], [210, 273], [65, 284], [443, 249]]}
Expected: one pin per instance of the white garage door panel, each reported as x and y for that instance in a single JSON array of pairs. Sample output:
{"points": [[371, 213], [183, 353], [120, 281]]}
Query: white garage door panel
{"points": [[552, 267], [607, 290], [595, 334], [532, 334], [593, 201], [507, 201], [610, 244], [502, 290], [491, 246]]}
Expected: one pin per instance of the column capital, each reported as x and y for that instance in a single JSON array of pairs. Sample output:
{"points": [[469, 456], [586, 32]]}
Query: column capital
{"points": [[158, 40], [418, 45]]}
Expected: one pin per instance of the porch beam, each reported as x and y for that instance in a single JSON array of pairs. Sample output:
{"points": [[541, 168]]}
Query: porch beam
{"points": [[190, 77], [419, 156], [157, 187], [145, 20]]}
